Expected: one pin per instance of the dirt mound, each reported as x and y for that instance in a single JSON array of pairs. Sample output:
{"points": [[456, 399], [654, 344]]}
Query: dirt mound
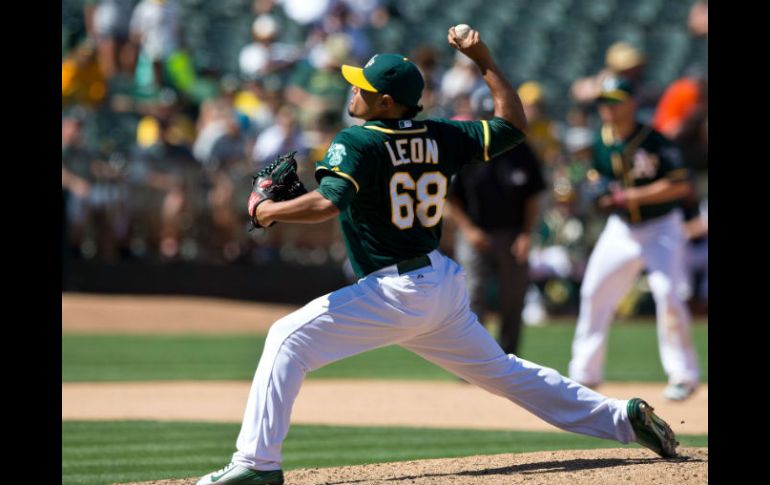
{"points": [[433, 404], [572, 467], [132, 314]]}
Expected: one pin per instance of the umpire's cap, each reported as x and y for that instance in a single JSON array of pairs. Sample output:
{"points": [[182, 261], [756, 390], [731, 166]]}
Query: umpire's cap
{"points": [[391, 74]]}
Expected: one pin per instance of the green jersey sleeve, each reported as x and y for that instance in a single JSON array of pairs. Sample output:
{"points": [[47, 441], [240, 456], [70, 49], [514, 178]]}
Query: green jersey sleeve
{"points": [[479, 141], [345, 159], [502, 137], [671, 161], [338, 191]]}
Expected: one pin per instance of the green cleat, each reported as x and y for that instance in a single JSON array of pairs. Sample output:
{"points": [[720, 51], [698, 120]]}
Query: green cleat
{"points": [[234, 474], [651, 431]]}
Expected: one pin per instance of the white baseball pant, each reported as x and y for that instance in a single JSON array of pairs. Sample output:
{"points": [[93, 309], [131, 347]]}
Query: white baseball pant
{"points": [[620, 254], [427, 312]]}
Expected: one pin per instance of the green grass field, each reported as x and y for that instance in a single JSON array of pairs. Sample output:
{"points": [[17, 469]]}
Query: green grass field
{"points": [[100, 453], [97, 453], [632, 356]]}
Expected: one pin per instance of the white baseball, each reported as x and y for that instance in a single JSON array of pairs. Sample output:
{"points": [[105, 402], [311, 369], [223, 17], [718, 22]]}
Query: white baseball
{"points": [[461, 30]]}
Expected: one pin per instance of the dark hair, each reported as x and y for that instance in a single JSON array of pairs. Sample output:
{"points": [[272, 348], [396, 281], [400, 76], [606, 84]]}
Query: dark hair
{"points": [[411, 112]]}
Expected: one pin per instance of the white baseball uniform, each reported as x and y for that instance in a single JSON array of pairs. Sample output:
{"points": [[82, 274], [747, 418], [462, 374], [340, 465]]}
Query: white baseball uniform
{"points": [[389, 180], [425, 311], [650, 237]]}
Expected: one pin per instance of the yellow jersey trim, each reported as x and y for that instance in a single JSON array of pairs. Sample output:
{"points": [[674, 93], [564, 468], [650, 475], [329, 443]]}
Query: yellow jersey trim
{"points": [[397, 132], [485, 124], [341, 174]]}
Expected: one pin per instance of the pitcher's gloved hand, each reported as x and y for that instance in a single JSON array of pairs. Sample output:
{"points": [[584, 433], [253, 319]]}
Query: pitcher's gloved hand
{"points": [[277, 182]]}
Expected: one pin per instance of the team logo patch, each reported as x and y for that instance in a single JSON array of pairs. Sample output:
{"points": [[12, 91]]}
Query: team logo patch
{"points": [[645, 165], [335, 153], [371, 61]]}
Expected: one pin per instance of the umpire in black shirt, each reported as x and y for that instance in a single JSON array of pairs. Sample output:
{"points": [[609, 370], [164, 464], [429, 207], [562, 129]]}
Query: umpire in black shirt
{"points": [[495, 206]]}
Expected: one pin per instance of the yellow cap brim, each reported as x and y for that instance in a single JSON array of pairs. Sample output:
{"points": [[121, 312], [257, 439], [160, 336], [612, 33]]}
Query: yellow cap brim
{"points": [[617, 96], [355, 76]]}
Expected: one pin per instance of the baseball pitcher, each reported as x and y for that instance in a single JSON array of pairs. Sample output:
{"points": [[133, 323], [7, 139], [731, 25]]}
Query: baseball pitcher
{"points": [[386, 181]]}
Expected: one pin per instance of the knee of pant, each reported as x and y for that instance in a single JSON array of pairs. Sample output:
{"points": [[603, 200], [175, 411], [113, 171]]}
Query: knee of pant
{"points": [[274, 336], [278, 332], [288, 358], [663, 289]]}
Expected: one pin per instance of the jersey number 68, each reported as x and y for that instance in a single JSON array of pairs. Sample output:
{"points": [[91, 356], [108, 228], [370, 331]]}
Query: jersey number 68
{"points": [[430, 190]]}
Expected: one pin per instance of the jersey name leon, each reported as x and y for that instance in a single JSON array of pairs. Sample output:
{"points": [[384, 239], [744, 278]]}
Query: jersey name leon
{"points": [[421, 150]]}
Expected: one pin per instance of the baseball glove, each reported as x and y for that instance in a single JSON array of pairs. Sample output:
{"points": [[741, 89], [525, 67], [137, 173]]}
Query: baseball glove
{"points": [[277, 182], [601, 188]]}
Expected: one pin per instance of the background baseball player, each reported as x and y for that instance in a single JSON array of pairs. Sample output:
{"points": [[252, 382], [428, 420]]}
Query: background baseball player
{"points": [[387, 181], [642, 180]]}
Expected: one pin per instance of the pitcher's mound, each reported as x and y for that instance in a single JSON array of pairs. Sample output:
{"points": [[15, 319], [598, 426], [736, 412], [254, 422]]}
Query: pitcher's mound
{"points": [[633, 466]]}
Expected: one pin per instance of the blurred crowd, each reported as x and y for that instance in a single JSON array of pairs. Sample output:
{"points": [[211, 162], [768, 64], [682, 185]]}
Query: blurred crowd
{"points": [[158, 150]]}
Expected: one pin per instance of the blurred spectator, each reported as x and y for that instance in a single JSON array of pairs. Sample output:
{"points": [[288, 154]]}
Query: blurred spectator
{"points": [[381, 15], [560, 243], [304, 12], [541, 135], [283, 137], [427, 58], [259, 103], [341, 19], [107, 22], [557, 259], [682, 115], [111, 210], [577, 140], [462, 108], [681, 100], [291, 97], [221, 149], [320, 137], [624, 60], [156, 32], [98, 211], [316, 84], [364, 8], [217, 128], [167, 175], [265, 55], [495, 205], [462, 78], [82, 81], [259, 7], [698, 20], [77, 179]]}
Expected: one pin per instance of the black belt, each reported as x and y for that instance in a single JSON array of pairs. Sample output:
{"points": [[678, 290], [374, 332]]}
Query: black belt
{"points": [[627, 217], [413, 264]]}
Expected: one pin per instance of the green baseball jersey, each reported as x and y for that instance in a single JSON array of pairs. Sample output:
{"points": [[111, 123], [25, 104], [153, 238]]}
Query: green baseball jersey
{"points": [[400, 171], [643, 158]]}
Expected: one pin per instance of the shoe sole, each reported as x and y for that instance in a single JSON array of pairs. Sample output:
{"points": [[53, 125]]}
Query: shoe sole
{"points": [[662, 430]]}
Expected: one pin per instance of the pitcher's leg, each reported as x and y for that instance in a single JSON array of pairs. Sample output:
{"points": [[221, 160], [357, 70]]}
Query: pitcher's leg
{"points": [[466, 349], [343, 323]]}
